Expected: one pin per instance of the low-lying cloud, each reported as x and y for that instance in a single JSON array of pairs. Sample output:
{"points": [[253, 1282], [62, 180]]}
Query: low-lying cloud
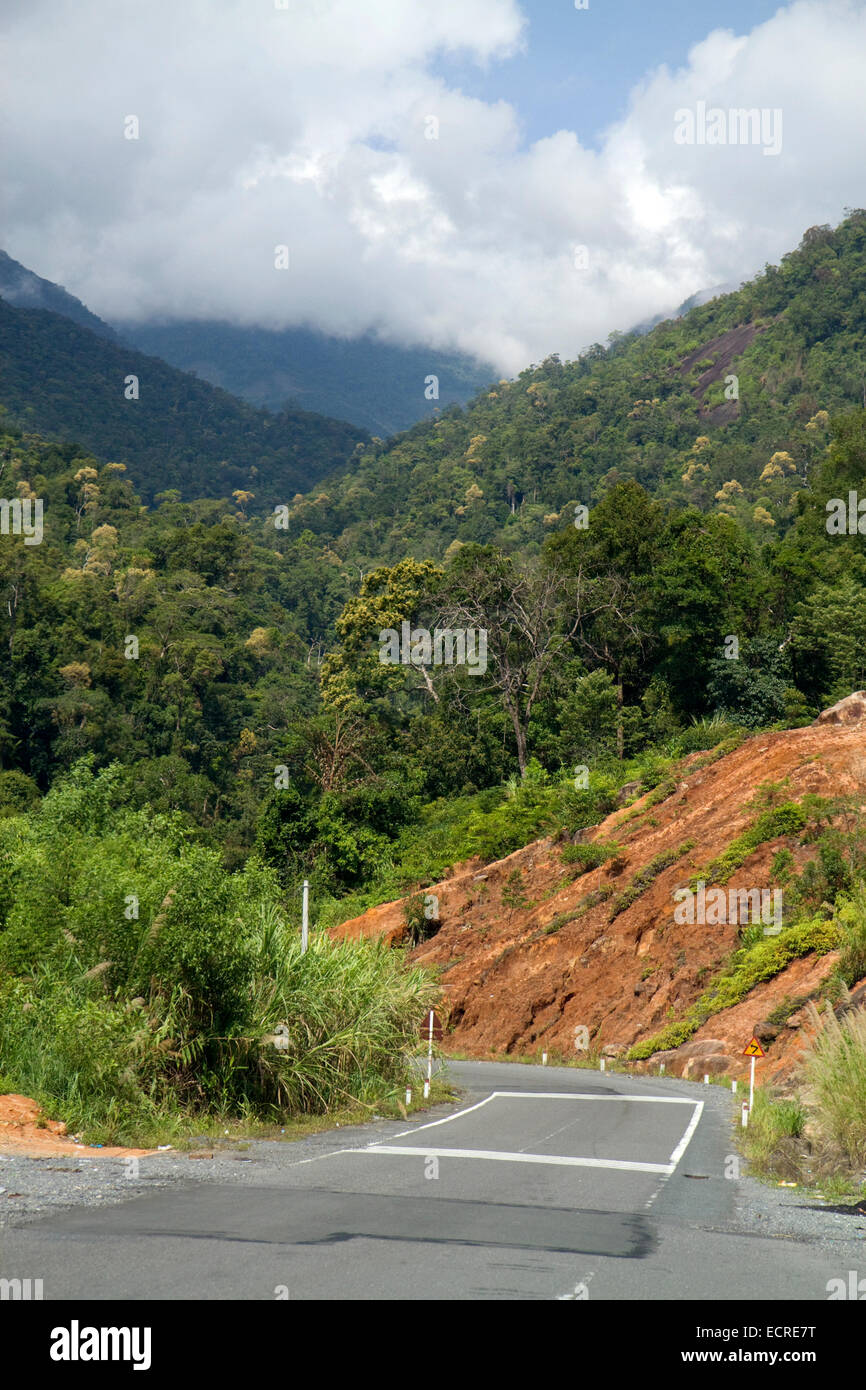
{"points": [[408, 209]]}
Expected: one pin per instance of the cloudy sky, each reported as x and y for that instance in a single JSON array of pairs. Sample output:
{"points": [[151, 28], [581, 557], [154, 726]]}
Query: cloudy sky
{"points": [[510, 177]]}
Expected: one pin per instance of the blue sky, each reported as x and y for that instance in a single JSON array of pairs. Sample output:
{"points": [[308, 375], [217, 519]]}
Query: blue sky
{"points": [[579, 66]]}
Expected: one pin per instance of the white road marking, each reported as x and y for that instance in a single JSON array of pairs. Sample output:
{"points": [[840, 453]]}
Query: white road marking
{"points": [[506, 1156], [458, 1115], [686, 1139], [503, 1156], [589, 1095]]}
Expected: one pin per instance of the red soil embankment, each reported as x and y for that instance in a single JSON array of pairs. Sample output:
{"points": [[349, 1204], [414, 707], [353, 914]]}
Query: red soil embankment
{"points": [[513, 986]]}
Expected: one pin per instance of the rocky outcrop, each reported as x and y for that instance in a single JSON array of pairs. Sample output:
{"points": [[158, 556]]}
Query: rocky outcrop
{"points": [[848, 711]]}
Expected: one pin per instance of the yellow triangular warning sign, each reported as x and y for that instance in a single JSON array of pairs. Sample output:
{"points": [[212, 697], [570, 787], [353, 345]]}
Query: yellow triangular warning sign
{"points": [[754, 1049]]}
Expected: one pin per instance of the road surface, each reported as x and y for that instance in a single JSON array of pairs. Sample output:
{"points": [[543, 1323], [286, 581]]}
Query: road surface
{"points": [[545, 1183]]}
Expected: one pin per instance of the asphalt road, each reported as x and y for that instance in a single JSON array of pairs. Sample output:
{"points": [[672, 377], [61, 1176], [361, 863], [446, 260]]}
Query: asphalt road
{"points": [[545, 1183]]}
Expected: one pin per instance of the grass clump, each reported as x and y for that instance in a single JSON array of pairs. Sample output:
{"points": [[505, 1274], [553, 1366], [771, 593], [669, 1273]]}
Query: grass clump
{"points": [[836, 1090], [592, 854], [773, 1141]]}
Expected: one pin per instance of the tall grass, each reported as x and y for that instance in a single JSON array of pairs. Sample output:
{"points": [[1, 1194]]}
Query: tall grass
{"points": [[353, 1012], [772, 1142], [124, 1070], [836, 1080], [139, 979]]}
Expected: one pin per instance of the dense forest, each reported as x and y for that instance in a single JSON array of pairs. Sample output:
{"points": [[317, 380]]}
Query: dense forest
{"points": [[206, 649]]}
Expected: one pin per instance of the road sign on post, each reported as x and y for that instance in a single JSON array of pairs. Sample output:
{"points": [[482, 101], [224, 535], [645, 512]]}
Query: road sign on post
{"points": [[753, 1050]]}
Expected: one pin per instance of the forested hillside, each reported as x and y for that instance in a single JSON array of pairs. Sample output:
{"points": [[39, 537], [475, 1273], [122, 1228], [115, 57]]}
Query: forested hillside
{"points": [[23, 289], [725, 409], [61, 379], [235, 669]]}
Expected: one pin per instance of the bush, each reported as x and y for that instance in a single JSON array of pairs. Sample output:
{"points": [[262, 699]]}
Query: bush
{"points": [[591, 854], [138, 978]]}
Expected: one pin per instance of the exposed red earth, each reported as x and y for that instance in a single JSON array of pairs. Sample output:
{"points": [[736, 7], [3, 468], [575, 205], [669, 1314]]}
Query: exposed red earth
{"points": [[513, 987], [24, 1130]]}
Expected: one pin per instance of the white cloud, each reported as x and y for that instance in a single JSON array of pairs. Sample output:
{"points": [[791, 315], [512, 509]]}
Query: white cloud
{"points": [[309, 127]]}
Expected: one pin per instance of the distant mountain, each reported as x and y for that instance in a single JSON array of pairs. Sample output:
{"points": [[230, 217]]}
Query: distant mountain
{"points": [[26, 290], [66, 381], [726, 408], [378, 387]]}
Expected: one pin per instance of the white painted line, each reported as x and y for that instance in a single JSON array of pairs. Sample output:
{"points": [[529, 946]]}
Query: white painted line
{"points": [[502, 1156], [588, 1095], [686, 1139], [446, 1121]]}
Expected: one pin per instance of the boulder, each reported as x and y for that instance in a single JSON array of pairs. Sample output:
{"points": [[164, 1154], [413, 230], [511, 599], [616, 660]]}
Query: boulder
{"points": [[627, 791], [714, 1064], [851, 710]]}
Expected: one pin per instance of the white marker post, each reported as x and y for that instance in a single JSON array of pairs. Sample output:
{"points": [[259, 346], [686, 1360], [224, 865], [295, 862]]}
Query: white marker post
{"points": [[544, 1059], [745, 1120], [305, 918], [429, 1059]]}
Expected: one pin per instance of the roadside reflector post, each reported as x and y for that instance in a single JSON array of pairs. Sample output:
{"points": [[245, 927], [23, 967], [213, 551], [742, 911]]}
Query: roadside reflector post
{"points": [[706, 1078], [734, 1086], [408, 1095], [429, 1059], [601, 1065], [662, 1069], [305, 918], [745, 1115], [544, 1059]]}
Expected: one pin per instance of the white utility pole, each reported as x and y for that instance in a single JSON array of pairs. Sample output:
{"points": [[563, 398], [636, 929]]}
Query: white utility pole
{"points": [[305, 918]]}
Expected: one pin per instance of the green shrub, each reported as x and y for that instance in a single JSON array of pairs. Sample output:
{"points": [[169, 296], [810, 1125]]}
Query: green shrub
{"points": [[590, 854], [122, 1022]]}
